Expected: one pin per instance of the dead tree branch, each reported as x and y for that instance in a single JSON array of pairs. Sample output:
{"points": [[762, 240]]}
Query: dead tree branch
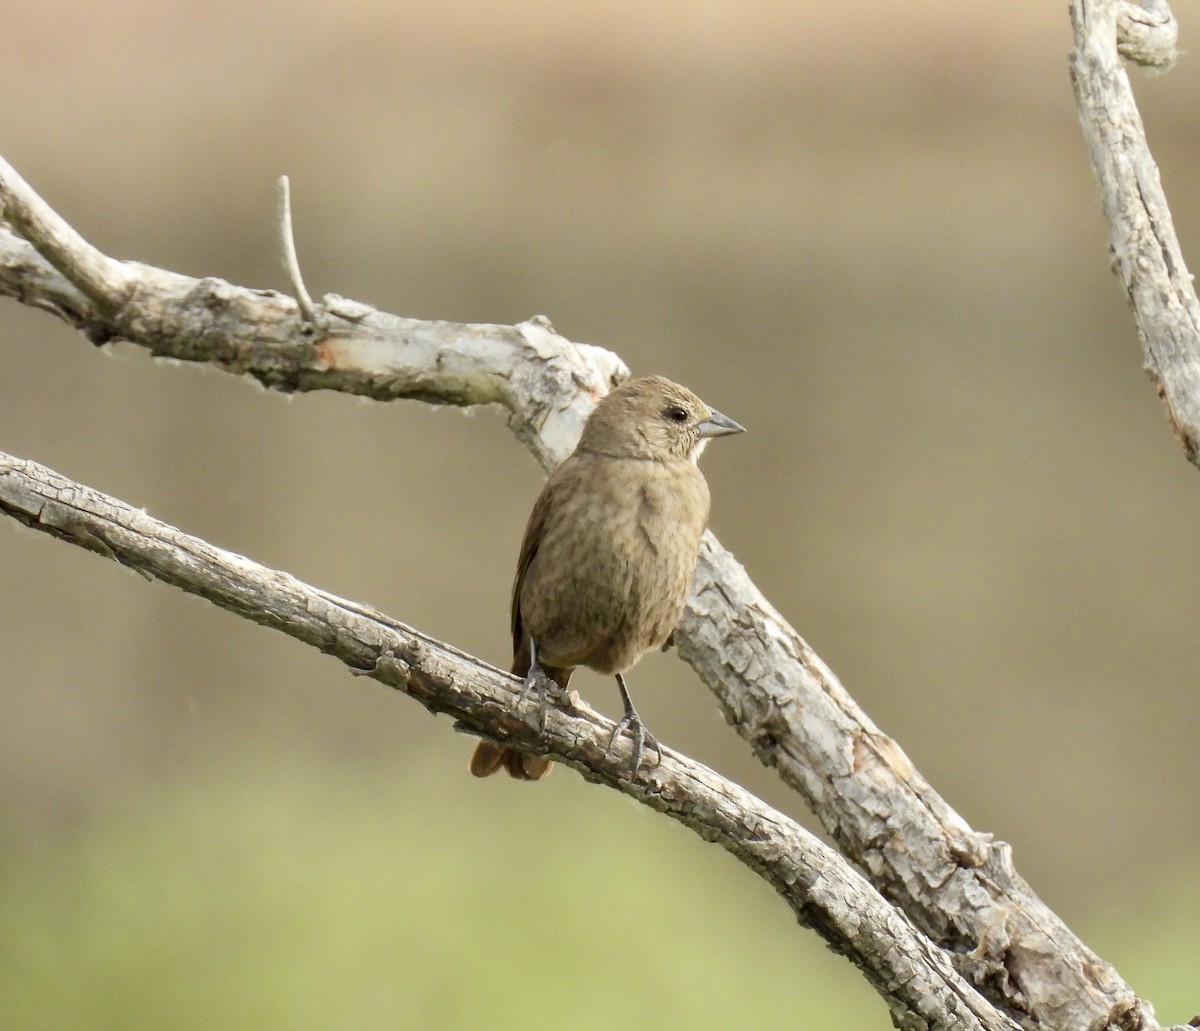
{"points": [[958, 887], [1145, 249], [917, 980]]}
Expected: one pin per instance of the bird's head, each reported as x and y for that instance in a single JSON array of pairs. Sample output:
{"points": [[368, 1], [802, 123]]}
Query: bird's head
{"points": [[653, 418]]}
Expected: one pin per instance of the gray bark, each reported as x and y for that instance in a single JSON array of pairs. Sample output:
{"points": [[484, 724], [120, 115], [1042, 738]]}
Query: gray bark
{"points": [[1145, 249], [916, 979], [953, 898]]}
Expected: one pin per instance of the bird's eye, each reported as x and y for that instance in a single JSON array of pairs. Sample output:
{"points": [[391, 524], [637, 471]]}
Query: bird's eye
{"points": [[676, 414]]}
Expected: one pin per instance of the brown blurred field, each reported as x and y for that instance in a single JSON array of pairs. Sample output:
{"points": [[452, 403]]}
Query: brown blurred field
{"points": [[869, 234]]}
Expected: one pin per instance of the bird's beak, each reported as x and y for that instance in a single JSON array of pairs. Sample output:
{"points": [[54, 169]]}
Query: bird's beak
{"points": [[718, 425]]}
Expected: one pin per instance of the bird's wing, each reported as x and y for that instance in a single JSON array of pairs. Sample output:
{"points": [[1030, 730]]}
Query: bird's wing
{"points": [[534, 532]]}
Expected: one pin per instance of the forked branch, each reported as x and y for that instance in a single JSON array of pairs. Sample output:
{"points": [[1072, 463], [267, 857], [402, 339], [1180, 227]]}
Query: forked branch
{"points": [[821, 887], [956, 886]]}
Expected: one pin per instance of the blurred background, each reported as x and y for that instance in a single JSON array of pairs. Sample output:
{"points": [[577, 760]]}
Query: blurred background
{"points": [[874, 239]]}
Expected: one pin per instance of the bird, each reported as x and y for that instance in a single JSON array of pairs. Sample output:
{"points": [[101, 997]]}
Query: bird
{"points": [[609, 553]]}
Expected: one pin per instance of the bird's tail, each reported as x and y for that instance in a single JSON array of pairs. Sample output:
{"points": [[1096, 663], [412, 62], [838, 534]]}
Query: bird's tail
{"points": [[489, 757]]}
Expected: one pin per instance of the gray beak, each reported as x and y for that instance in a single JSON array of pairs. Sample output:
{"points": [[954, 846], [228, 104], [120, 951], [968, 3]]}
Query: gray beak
{"points": [[718, 425]]}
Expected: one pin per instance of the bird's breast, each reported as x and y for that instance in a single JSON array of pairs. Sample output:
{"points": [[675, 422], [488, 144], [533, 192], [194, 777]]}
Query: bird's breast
{"points": [[616, 561]]}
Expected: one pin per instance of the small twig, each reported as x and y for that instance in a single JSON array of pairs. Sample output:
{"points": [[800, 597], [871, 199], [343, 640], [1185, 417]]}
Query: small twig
{"points": [[291, 262]]}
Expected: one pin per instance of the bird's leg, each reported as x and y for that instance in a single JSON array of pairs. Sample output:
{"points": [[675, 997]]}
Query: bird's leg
{"points": [[538, 682], [641, 736]]}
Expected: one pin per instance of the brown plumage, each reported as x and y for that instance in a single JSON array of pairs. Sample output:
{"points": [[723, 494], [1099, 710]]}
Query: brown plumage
{"points": [[610, 550]]}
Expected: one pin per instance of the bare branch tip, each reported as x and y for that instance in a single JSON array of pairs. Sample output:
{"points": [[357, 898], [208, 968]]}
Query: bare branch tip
{"points": [[1147, 34], [103, 280], [291, 262]]}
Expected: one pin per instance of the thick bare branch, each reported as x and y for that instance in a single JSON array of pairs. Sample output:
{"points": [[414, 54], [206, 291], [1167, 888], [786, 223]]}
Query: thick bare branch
{"points": [[1146, 253], [956, 885], [547, 383], [915, 978]]}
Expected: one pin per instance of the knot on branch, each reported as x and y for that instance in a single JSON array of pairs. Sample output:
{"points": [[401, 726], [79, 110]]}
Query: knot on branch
{"points": [[1147, 34]]}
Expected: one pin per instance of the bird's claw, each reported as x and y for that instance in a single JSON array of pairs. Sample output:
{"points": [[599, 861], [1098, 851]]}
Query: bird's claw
{"points": [[536, 682], [641, 738]]}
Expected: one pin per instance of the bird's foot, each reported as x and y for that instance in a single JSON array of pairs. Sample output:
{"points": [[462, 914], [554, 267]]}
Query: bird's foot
{"points": [[538, 683], [641, 738]]}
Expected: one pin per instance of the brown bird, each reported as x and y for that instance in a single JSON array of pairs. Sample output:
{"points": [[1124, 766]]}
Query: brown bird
{"points": [[609, 552]]}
